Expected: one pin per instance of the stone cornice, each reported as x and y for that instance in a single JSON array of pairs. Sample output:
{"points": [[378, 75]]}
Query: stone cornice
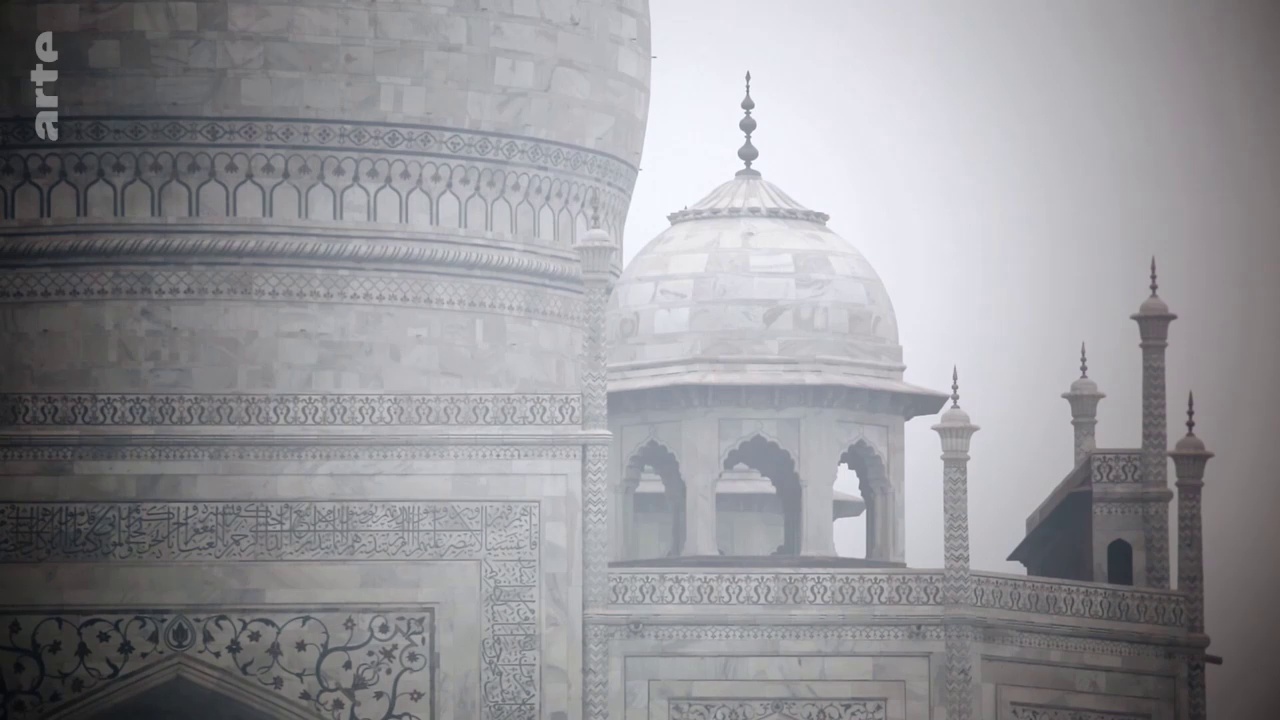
{"points": [[328, 244], [674, 397], [266, 134]]}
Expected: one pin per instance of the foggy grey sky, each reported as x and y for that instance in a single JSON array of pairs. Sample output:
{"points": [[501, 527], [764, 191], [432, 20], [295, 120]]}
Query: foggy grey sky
{"points": [[1009, 168]]}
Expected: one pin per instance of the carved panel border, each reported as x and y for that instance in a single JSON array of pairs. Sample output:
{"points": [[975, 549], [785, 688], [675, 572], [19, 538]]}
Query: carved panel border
{"points": [[785, 589], [599, 636], [773, 709], [265, 285], [503, 537], [19, 450], [329, 661], [1128, 605], [1023, 711], [1069, 643], [309, 410]]}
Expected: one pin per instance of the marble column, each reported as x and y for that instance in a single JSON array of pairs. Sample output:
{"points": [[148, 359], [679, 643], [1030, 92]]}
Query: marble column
{"points": [[1153, 319], [817, 493], [700, 466], [1189, 460], [955, 430], [1083, 397]]}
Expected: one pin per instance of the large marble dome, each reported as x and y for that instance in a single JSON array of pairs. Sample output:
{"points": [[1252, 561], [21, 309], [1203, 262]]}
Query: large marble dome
{"points": [[750, 287]]}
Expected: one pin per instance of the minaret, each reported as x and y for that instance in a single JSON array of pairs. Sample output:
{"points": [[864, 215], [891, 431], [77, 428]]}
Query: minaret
{"points": [[1189, 460], [955, 431], [1084, 397], [1153, 319], [596, 251]]}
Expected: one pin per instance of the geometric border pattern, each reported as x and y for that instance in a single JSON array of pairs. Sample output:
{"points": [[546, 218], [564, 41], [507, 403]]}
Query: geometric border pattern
{"points": [[773, 709], [1023, 711], [283, 133], [311, 410], [21, 450], [502, 536]]}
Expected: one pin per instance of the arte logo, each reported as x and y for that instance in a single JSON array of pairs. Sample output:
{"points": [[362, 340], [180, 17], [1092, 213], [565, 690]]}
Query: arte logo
{"points": [[46, 119]]}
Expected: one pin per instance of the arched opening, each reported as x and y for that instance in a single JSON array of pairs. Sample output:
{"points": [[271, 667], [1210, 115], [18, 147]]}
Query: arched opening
{"points": [[1120, 563], [654, 504], [184, 698], [758, 501], [861, 502]]}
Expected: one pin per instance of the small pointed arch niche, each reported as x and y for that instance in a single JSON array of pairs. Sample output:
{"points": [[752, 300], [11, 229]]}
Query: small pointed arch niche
{"points": [[759, 500], [653, 511], [859, 520]]}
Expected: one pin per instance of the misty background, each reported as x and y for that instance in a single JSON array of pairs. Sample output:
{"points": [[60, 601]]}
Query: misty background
{"points": [[1009, 168]]}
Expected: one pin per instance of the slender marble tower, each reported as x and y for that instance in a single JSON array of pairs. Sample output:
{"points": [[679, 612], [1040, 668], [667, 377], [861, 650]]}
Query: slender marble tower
{"points": [[1153, 318], [955, 429], [1189, 460]]}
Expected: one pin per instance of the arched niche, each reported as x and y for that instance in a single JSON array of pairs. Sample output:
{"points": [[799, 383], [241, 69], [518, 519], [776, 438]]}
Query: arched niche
{"points": [[868, 466], [653, 503], [187, 688], [758, 457], [1120, 563]]}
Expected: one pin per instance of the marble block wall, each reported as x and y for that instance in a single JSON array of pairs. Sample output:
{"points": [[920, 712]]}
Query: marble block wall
{"points": [[447, 573]]}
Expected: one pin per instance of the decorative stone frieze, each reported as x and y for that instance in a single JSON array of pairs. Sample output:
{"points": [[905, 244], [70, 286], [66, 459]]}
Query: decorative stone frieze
{"points": [[308, 410], [258, 284]]}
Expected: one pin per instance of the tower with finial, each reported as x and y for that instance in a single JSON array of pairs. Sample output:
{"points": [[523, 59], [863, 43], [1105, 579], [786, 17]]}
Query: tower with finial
{"points": [[955, 429], [1153, 318], [1189, 460], [1083, 397], [748, 153]]}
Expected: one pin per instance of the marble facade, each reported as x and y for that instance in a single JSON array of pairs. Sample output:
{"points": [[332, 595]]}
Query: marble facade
{"points": [[322, 394]]}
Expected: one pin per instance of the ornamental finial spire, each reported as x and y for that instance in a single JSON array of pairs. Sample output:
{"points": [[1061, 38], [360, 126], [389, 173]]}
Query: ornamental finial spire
{"points": [[955, 387], [1191, 414], [748, 153], [1154, 284], [1084, 363]]}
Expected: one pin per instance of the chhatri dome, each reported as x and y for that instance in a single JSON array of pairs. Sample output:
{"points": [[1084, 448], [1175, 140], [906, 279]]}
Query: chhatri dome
{"points": [[749, 287]]}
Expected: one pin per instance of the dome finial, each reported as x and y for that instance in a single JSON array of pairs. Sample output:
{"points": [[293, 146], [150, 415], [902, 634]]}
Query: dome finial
{"points": [[1154, 284], [955, 387], [1084, 363], [748, 153], [1191, 414]]}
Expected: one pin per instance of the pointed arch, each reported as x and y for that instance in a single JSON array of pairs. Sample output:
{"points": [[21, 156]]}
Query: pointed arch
{"points": [[871, 470], [113, 699], [654, 524], [777, 465]]}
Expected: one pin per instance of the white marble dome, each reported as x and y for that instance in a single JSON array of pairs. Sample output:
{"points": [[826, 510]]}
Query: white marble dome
{"points": [[750, 287]]}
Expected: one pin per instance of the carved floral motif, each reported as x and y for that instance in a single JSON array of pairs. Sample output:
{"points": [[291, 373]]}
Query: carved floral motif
{"points": [[368, 665]]}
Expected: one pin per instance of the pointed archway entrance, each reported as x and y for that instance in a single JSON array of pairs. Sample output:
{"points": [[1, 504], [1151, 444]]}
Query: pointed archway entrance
{"points": [[188, 688]]}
